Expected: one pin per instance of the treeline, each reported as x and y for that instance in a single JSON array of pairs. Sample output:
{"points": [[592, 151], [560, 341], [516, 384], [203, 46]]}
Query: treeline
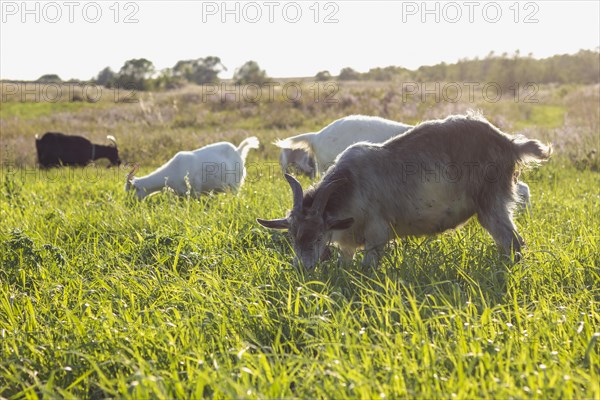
{"points": [[582, 67], [140, 74]]}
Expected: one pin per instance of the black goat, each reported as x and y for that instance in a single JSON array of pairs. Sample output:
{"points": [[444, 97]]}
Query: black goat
{"points": [[55, 149]]}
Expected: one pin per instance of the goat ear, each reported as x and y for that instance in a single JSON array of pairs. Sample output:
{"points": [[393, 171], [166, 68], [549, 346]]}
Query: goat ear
{"points": [[281, 223], [339, 224]]}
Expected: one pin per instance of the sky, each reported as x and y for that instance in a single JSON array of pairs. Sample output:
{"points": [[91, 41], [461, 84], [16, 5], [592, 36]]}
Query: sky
{"points": [[77, 39]]}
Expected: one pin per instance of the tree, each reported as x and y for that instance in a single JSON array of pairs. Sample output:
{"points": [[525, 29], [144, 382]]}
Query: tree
{"points": [[250, 72], [201, 70], [49, 78], [323, 76], [384, 74], [136, 74], [105, 77], [167, 79], [138, 68], [348, 74]]}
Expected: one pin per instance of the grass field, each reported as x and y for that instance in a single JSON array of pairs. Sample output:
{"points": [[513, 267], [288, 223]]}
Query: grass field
{"points": [[104, 296]]}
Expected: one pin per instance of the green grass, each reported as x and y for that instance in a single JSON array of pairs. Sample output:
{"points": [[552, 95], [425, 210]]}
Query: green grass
{"points": [[547, 116], [40, 109], [103, 296], [543, 116], [181, 120]]}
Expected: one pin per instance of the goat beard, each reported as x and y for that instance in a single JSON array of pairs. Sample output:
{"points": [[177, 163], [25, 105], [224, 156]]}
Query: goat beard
{"points": [[326, 255]]}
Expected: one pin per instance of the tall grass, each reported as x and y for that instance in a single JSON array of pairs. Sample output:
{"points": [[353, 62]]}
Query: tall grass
{"points": [[105, 296], [156, 125]]}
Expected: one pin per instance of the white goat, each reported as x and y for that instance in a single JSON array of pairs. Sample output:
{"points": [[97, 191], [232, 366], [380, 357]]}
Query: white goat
{"points": [[215, 167], [299, 158], [330, 141], [431, 179]]}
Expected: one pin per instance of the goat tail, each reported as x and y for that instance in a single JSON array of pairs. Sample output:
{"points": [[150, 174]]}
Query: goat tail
{"points": [[303, 141], [531, 150], [247, 144]]}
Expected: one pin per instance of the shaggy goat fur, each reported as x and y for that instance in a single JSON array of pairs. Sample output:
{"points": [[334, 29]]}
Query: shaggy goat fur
{"points": [[431, 179]]}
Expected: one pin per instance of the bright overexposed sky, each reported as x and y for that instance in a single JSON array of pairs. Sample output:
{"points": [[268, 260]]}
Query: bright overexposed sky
{"points": [[76, 39]]}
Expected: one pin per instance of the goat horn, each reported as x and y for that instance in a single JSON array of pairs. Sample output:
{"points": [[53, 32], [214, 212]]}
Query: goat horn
{"points": [[296, 191], [132, 172], [323, 194]]}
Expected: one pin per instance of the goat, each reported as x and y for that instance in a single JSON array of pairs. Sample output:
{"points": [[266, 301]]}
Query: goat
{"points": [[56, 149], [431, 179], [298, 158], [215, 167], [330, 141]]}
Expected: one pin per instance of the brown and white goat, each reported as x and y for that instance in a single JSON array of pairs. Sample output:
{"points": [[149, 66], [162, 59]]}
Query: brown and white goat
{"points": [[431, 179]]}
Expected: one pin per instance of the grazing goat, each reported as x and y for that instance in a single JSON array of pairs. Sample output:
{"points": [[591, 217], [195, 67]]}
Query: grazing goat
{"points": [[336, 137], [56, 149], [298, 158], [215, 167], [431, 179], [330, 141]]}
